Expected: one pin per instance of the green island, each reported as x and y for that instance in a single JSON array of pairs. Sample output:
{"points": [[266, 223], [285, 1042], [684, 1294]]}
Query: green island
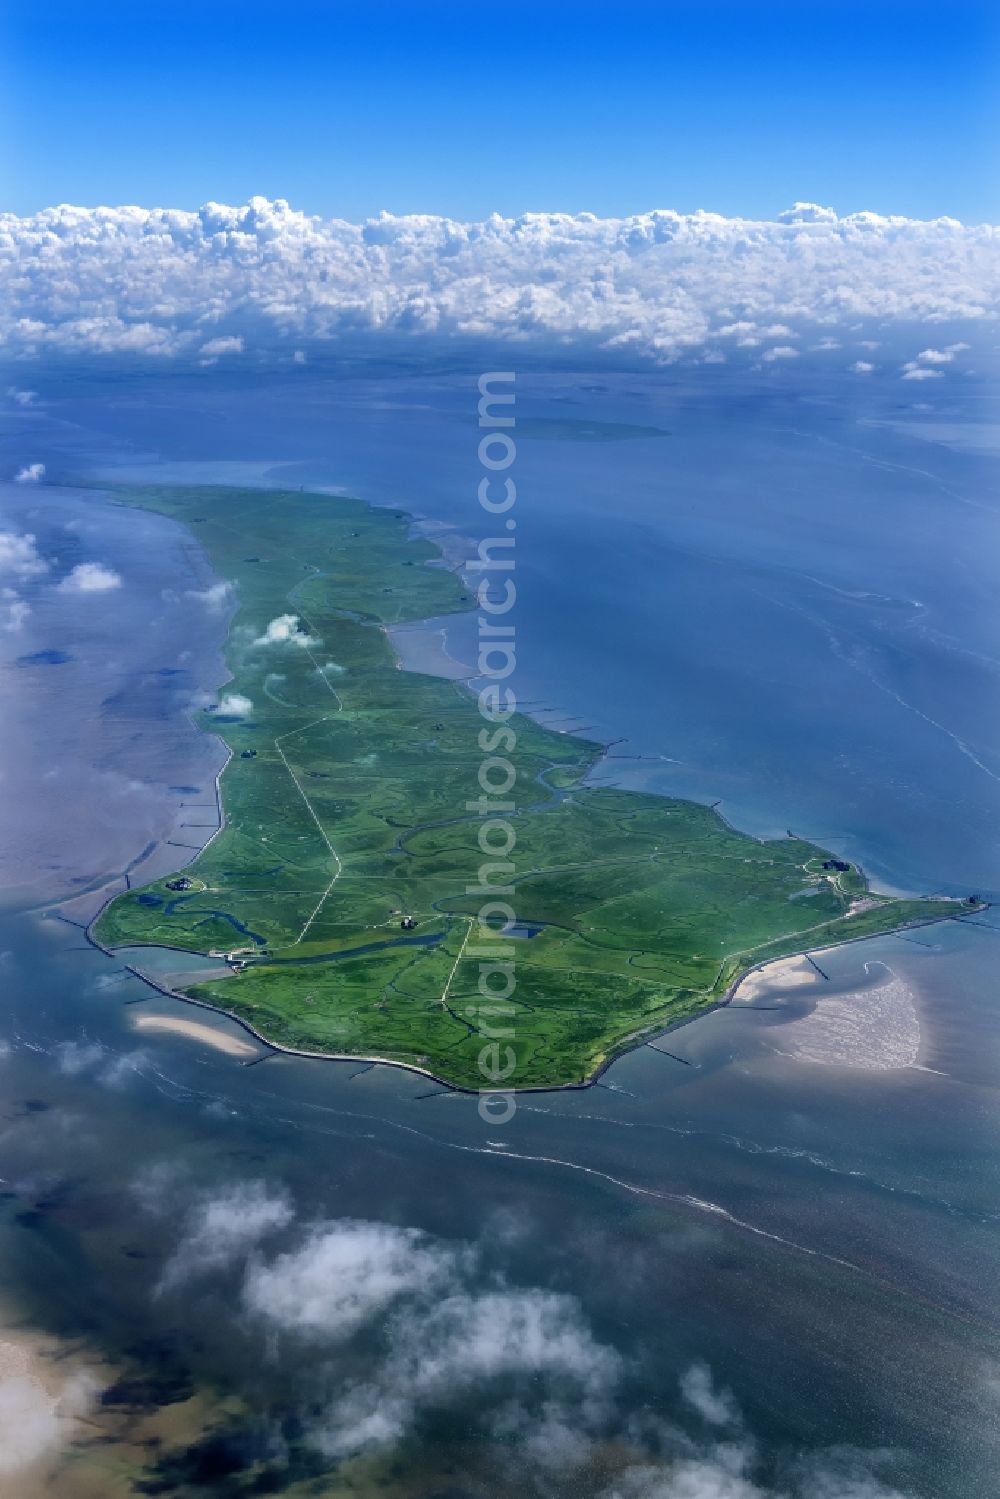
{"points": [[337, 884]]}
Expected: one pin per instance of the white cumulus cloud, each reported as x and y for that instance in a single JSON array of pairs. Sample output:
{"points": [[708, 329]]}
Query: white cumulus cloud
{"points": [[14, 610], [719, 1475], [111, 1069], [386, 1325], [444, 1349], [228, 344], [444, 1337], [234, 705], [725, 1470], [90, 577], [223, 1226], [31, 473], [286, 630], [267, 279], [717, 1407], [19, 555], [343, 1275], [39, 1411], [215, 597]]}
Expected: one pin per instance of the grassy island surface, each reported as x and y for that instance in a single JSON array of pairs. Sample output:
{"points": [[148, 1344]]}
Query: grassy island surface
{"points": [[345, 813]]}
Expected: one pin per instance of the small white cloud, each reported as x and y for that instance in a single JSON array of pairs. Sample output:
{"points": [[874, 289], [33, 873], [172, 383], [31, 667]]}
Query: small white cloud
{"points": [[709, 1477], [286, 630], [118, 1069], [469, 1337], [15, 611], [160, 1187], [225, 1227], [957, 348], [75, 1057], [90, 577], [345, 1274], [807, 213], [861, 367], [935, 356], [19, 555], [22, 397], [717, 1407], [217, 346], [843, 1473], [442, 1348], [112, 1069], [719, 1474], [782, 351], [38, 1413], [234, 705], [299, 357], [215, 597], [31, 473], [920, 372]]}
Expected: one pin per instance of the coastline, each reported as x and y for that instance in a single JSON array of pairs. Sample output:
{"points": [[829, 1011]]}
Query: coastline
{"points": [[630, 1044]]}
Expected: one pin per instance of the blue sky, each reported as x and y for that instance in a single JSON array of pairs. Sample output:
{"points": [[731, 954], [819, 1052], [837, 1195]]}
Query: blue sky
{"points": [[464, 109]]}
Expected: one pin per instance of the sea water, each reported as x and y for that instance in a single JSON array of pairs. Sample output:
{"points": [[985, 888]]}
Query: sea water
{"points": [[784, 603]]}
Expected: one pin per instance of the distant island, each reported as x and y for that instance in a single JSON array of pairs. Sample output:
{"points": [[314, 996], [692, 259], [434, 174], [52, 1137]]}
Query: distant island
{"points": [[337, 886]]}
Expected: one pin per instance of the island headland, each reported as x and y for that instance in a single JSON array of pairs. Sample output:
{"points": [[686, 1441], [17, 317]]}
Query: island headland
{"points": [[345, 883]]}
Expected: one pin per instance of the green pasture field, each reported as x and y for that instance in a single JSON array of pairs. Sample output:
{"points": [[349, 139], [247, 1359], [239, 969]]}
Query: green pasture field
{"points": [[351, 815]]}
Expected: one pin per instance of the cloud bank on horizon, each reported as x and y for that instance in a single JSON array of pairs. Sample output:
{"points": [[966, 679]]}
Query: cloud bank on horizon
{"points": [[264, 283]]}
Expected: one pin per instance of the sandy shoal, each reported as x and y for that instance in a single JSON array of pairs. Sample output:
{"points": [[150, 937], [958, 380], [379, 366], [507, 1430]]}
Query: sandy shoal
{"points": [[177, 1025], [783, 973]]}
